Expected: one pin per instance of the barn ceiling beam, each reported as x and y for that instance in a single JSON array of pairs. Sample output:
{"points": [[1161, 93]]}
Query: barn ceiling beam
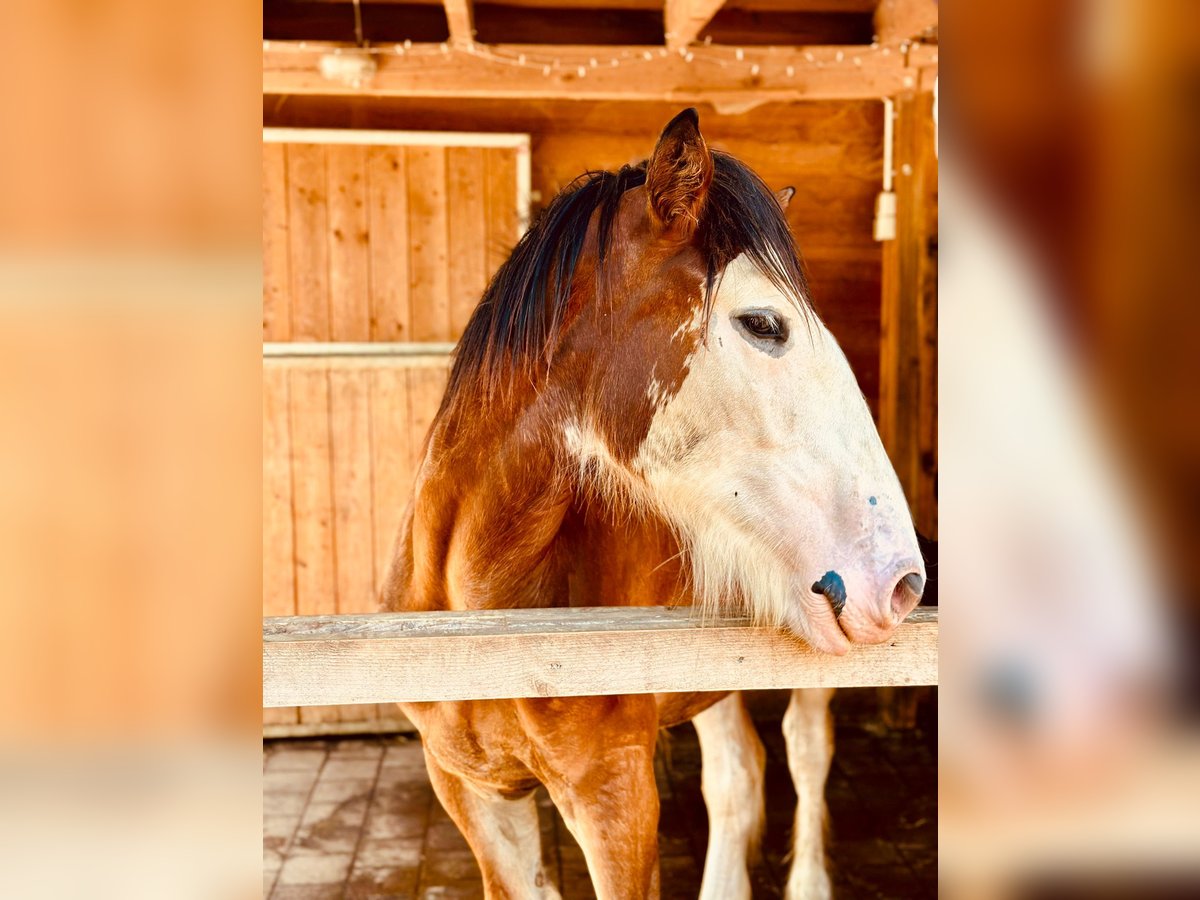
{"points": [[731, 79], [460, 16], [683, 20], [906, 20]]}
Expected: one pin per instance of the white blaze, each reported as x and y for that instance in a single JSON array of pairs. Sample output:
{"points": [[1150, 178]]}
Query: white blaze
{"points": [[767, 462]]}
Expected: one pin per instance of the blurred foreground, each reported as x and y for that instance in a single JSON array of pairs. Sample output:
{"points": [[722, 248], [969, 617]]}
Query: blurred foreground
{"points": [[1070, 446]]}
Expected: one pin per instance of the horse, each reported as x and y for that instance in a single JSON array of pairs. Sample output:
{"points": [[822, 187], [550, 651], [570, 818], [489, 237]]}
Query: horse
{"points": [[645, 409]]}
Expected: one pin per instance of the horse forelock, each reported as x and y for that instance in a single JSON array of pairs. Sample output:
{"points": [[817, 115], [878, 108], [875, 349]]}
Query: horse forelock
{"points": [[511, 337]]}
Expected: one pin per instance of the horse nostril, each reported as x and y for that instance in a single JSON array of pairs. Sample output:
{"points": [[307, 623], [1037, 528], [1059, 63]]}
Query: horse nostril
{"points": [[832, 586], [915, 583]]}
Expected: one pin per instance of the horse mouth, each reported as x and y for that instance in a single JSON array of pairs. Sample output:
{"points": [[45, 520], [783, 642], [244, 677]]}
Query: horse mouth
{"points": [[821, 630]]}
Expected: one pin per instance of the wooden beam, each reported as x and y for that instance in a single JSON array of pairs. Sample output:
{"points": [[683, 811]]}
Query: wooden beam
{"points": [[460, 16], [683, 20], [908, 315], [733, 80], [491, 654], [906, 20], [356, 350]]}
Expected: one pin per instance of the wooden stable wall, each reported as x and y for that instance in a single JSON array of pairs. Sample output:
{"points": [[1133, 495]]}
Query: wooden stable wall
{"points": [[362, 243], [341, 442], [371, 242], [831, 152]]}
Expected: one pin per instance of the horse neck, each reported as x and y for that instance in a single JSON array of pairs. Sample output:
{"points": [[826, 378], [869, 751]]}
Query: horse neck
{"points": [[619, 559], [497, 521], [487, 506]]}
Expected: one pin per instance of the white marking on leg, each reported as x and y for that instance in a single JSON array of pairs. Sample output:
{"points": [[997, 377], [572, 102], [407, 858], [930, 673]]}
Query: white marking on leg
{"points": [[510, 827], [808, 730], [732, 782], [503, 834]]}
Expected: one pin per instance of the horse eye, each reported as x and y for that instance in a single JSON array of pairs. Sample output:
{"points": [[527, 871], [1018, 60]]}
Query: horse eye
{"points": [[763, 325]]}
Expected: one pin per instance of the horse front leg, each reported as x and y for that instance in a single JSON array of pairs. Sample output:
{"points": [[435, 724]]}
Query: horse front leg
{"points": [[808, 731], [731, 778], [596, 757], [502, 832]]}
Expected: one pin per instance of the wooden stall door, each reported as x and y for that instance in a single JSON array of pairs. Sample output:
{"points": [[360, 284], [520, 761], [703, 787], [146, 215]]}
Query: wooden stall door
{"points": [[376, 248]]}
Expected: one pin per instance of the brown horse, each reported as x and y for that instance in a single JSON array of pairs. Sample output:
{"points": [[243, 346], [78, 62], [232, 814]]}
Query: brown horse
{"points": [[644, 409]]}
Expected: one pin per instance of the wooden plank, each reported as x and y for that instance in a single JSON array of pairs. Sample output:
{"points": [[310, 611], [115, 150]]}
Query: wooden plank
{"points": [[437, 361], [391, 470], [925, 190], [906, 20], [349, 240], [908, 317], [565, 653], [277, 313], [683, 20], [731, 79], [460, 17], [391, 461], [353, 533], [377, 137], [279, 588], [503, 225], [307, 242], [313, 515], [427, 250], [345, 350], [466, 201], [387, 200]]}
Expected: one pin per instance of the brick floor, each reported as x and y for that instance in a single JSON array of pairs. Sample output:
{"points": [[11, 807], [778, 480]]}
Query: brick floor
{"points": [[356, 818]]}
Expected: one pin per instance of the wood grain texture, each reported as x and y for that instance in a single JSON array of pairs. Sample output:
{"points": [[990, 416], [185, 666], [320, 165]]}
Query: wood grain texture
{"points": [[308, 246], [392, 468], [467, 206], [908, 316], [460, 18], [903, 20], [683, 20], [312, 503], [502, 225], [564, 652], [279, 587], [387, 190], [391, 243], [339, 454], [277, 310], [428, 251], [349, 241], [354, 539], [714, 74]]}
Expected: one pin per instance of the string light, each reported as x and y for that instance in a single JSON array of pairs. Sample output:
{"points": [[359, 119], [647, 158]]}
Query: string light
{"points": [[714, 55]]}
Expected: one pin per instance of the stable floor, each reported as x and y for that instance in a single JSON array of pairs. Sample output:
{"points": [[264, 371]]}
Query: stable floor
{"points": [[356, 818]]}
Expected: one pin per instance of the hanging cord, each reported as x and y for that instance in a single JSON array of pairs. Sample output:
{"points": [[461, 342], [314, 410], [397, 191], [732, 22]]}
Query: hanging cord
{"points": [[358, 31]]}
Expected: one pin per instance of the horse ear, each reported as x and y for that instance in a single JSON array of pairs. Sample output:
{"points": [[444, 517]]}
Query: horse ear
{"points": [[785, 197], [678, 175]]}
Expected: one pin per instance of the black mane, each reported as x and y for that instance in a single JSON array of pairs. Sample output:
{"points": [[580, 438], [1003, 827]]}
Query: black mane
{"points": [[517, 321]]}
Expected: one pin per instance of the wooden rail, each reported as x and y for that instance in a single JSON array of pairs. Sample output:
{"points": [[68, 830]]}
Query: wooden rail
{"points": [[491, 654], [729, 78]]}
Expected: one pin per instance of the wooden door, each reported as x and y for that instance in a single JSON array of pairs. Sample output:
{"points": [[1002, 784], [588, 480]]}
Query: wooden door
{"points": [[376, 248]]}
